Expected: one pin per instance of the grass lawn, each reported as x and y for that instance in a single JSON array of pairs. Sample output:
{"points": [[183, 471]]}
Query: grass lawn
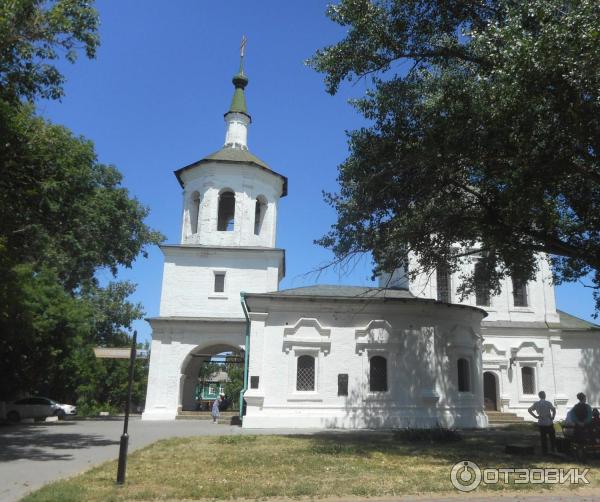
{"points": [[327, 464]]}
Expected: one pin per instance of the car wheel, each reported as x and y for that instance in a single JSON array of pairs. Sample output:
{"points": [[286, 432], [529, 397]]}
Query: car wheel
{"points": [[60, 414], [13, 417]]}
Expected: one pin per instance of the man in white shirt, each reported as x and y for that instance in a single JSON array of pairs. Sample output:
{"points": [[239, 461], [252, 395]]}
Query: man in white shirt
{"points": [[545, 417]]}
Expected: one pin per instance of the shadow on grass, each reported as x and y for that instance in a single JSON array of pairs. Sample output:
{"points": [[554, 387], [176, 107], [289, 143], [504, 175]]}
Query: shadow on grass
{"points": [[484, 447], [34, 442]]}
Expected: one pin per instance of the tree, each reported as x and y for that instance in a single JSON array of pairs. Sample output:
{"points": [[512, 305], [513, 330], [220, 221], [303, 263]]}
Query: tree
{"points": [[69, 217], [483, 135], [65, 216], [235, 382], [35, 32]]}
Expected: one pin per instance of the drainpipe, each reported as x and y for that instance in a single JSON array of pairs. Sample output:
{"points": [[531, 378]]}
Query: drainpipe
{"points": [[246, 350]]}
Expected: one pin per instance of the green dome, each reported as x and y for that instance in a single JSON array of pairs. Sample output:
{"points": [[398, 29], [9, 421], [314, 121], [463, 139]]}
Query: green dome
{"points": [[238, 102]]}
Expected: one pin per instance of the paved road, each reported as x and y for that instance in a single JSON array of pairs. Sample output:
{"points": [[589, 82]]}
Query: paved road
{"points": [[32, 455]]}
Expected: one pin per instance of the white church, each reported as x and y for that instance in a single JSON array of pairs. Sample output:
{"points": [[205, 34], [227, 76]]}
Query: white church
{"points": [[406, 354]]}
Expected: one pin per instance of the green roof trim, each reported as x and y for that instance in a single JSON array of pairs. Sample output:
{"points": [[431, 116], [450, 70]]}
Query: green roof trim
{"points": [[229, 154], [568, 321]]}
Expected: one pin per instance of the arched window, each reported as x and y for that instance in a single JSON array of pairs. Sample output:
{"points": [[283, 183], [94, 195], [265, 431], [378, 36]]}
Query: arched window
{"points": [[194, 212], [464, 375], [443, 284], [378, 374], [528, 380], [519, 293], [226, 211], [482, 285], [259, 214], [305, 374]]}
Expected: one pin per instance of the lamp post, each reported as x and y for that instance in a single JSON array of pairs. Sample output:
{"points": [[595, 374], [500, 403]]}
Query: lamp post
{"points": [[125, 437]]}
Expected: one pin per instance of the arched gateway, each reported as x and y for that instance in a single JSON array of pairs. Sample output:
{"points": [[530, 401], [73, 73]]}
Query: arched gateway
{"points": [[178, 348]]}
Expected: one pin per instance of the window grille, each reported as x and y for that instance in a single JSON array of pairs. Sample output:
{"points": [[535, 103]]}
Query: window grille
{"points": [[254, 382], [443, 284], [378, 374], [305, 375], [519, 293], [464, 375], [343, 384], [528, 380]]}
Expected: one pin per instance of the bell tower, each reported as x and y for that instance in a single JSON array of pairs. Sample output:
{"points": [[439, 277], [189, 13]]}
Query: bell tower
{"points": [[229, 223], [230, 197]]}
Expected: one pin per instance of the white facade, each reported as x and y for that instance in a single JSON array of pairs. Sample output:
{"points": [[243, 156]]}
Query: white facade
{"points": [[331, 356], [420, 342], [561, 352]]}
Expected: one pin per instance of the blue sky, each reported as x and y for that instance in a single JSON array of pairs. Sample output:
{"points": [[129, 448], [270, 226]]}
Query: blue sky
{"points": [[153, 101]]}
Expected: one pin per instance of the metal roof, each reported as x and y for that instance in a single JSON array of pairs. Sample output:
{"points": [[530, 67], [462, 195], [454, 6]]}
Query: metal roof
{"points": [[233, 155], [345, 292]]}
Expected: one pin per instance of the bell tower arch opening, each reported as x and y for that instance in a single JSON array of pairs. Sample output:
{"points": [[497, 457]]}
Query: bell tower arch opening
{"points": [[208, 371]]}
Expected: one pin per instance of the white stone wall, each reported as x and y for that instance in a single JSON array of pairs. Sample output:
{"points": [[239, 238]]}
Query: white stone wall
{"points": [[540, 293], [237, 130], [248, 183], [565, 363], [421, 345], [188, 279], [173, 342]]}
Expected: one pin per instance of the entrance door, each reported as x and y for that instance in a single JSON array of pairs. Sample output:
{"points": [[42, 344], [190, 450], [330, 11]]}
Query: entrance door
{"points": [[490, 399]]}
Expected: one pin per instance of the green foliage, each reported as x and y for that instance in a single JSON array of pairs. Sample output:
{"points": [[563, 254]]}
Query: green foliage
{"points": [[87, 409], [65, 217], [235, 382], [35, 32], [484, 134], [41, 326], [208, 369]]}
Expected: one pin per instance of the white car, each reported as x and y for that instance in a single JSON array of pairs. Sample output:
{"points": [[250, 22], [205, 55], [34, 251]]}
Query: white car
{"points": [[37, 408], [66, 410]]}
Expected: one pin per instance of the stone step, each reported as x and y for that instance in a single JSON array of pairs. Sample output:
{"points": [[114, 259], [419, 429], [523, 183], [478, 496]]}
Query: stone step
{"points": [[225, 417], [207, 414], [498, 417]]}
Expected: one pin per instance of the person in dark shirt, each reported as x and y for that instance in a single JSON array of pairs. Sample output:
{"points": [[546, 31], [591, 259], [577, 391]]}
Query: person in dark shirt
{"points": [[582, 414], [595, 425]]}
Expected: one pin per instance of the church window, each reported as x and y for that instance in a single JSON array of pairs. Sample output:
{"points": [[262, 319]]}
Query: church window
{"points": [[305, 375], [343, 384], [482, 285], [443, 284], [528, 380], [226, 211], [219, 282], [464, 375], [378, 374], [519, 293], [194, 212]]}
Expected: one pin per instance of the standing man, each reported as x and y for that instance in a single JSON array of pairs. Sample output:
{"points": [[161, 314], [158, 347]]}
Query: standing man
{"points": [[582, 414], [545, 417]]}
